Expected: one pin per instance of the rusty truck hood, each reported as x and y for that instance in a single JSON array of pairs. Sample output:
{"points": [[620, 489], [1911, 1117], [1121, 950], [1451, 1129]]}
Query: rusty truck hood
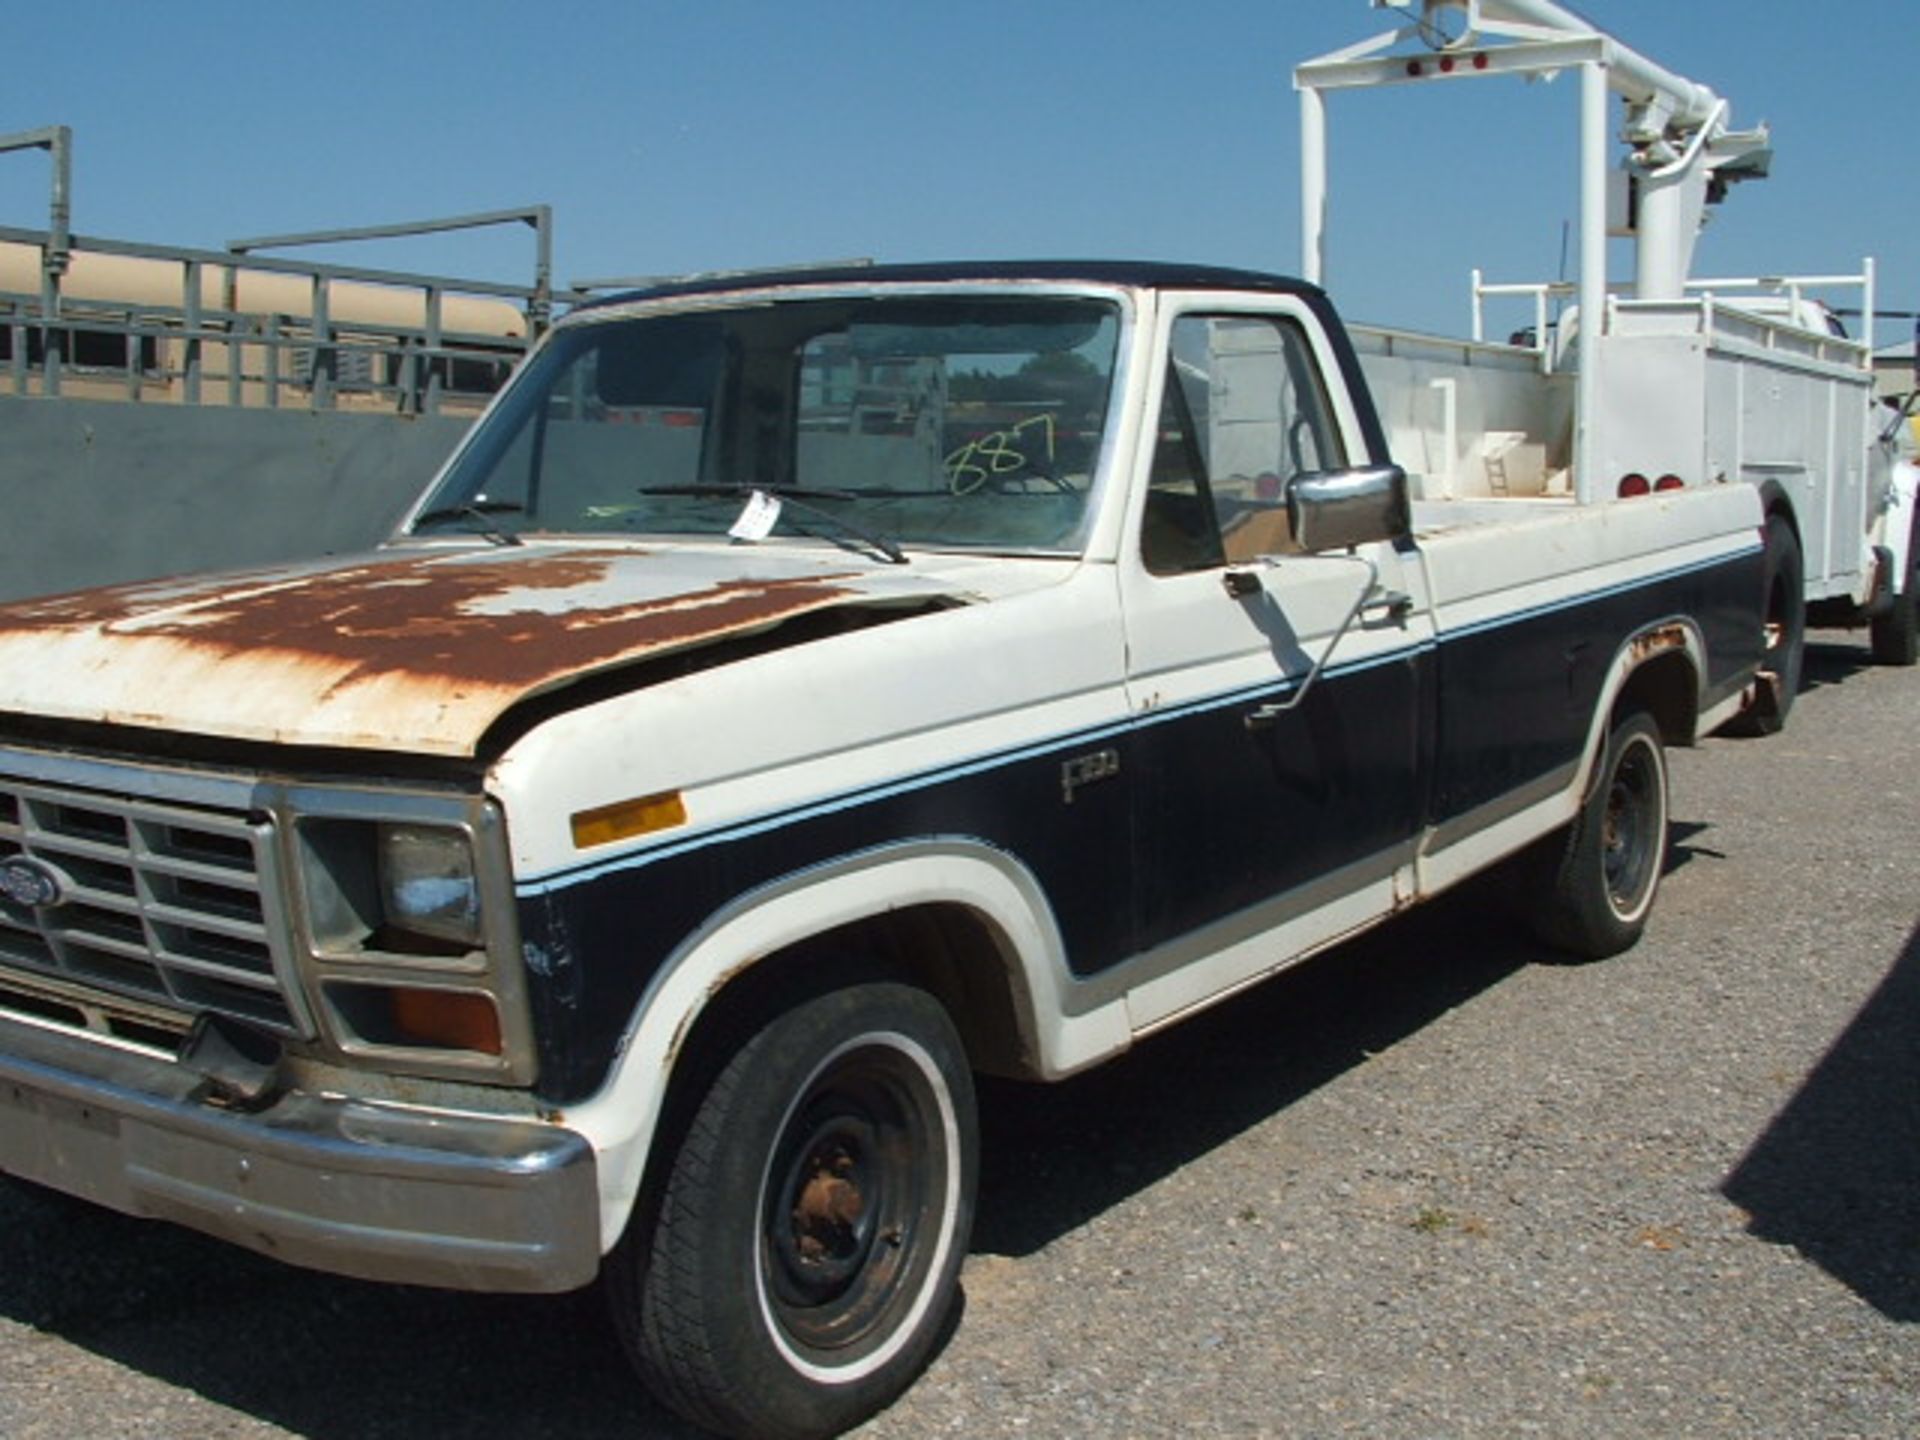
{"points": [[411, 650]]}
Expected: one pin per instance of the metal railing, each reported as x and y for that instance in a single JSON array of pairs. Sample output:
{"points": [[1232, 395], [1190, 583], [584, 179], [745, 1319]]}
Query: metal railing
{"points": [[135, 321], [1790, 292], [194, 327]]}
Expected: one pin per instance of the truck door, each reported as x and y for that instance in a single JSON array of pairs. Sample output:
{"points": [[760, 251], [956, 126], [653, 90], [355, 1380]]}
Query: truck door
{"points": [[1256, 806]]}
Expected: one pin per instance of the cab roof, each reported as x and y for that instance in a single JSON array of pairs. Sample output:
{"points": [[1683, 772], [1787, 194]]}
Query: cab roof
{"points": [[1151, 274]]}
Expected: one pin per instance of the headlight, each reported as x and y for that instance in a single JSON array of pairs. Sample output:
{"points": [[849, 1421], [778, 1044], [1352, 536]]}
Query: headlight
{"points": [[403, 922], [427, 883], [390, 887]]}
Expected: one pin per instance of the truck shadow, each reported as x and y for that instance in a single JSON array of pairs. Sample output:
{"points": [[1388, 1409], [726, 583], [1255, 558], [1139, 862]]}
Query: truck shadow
{"points": [[1055, 1156], [318, 1356], [1836, 1175], [1683, 847], [1833, 657], [337, 1359]]}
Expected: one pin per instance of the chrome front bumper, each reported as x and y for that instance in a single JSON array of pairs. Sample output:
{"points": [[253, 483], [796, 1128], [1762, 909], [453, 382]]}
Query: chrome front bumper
{"points": [[419, 1197]]}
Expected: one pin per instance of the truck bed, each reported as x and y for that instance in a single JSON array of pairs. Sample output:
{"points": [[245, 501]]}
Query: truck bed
{"points": [[1469, 421], [1440, 517]]}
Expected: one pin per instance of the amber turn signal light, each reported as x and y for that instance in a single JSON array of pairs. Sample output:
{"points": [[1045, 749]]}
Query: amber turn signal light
{"points": [[445, 1020], [628, 818]]}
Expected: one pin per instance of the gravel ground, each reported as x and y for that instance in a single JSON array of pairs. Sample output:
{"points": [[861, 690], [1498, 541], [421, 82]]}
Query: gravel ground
{"points": [[1425, 1186]]}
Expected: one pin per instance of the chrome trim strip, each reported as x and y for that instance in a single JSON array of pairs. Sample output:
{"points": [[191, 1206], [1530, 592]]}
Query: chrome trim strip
{"points": [[133, 779], [1256, 920], [1556, 781]]}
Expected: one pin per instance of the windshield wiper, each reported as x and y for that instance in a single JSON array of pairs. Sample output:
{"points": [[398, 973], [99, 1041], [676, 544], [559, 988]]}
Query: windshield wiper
{"points": [[794, 497], [481, 512], [741, 492], [894, 554]]}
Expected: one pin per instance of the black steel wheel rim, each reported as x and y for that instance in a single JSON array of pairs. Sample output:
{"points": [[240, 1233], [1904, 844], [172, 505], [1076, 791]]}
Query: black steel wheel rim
{"points": [[1628, 841], [852, 1202]]}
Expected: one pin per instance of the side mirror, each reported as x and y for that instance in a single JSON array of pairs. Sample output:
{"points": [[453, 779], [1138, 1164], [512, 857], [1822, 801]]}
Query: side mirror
{"points": [[1336, 509], [1900, 415]]}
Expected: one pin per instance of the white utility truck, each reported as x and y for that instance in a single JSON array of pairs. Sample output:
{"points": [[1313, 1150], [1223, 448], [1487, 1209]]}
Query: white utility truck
{"points": [[1684, 382], [795, 696]]}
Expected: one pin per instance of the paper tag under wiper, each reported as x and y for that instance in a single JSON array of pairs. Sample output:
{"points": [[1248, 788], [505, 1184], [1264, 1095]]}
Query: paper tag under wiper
{"points": [[757, 518]]}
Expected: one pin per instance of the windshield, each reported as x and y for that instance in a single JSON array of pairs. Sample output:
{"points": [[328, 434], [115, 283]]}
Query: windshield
{"points": [[967, 421]]}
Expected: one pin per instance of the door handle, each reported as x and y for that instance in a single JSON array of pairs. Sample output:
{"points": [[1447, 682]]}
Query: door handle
{"points": [[1394, 606]]}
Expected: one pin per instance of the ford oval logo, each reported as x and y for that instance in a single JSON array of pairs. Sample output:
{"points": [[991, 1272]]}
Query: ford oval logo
{"points": [[27, 881]]}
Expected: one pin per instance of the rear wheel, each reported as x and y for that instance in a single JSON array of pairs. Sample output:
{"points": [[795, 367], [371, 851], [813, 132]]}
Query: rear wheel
{"points": [[1601, 889], [1785, 632], [808, 1245]]}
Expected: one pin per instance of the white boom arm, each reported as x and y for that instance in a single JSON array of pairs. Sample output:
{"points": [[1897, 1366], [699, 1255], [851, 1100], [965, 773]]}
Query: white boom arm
{"points": [[1683, 152]]}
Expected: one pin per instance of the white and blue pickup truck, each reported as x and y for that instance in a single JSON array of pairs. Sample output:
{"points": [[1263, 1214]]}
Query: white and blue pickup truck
{"points": [[795, 696]]}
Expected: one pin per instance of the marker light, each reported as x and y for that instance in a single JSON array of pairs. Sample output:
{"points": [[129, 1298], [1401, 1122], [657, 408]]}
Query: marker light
{"points": [[1669, 482], [1633, 485], [445, 1020], [410, 1017], [628, 818]]}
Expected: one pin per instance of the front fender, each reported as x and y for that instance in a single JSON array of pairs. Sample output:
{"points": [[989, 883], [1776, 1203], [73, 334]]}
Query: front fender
{"points": [[1903, 503], [620, 1120]]}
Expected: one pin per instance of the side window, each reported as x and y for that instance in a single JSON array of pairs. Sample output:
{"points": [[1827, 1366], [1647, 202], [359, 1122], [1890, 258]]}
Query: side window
{"points": [[1243, 413]]}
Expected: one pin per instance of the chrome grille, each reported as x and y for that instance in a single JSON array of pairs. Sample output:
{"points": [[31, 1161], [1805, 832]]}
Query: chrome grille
{"points": [[159, 901]]}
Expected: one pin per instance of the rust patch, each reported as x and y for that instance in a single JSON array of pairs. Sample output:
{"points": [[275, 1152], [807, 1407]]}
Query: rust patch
{"points": [[420, 653], [1665, 637], [449, 620], [829, 1207]]}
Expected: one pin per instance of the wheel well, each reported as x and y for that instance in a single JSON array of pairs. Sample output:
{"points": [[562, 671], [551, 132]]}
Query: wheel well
{"points": [[949, 951], [1775, 500], [945, 949], [1666, 687]]}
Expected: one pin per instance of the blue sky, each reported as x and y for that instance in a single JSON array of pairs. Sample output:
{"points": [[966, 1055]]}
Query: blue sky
{"points": [[689, 136]]}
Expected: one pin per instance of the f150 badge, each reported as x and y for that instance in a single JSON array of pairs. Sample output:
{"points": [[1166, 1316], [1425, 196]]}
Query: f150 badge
{"points": [[1085, 769], [27, 881]]}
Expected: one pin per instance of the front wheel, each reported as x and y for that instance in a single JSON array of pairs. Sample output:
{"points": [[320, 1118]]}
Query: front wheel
{"points": [[1601, 889], [808, 1244], [1895, 632]]}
